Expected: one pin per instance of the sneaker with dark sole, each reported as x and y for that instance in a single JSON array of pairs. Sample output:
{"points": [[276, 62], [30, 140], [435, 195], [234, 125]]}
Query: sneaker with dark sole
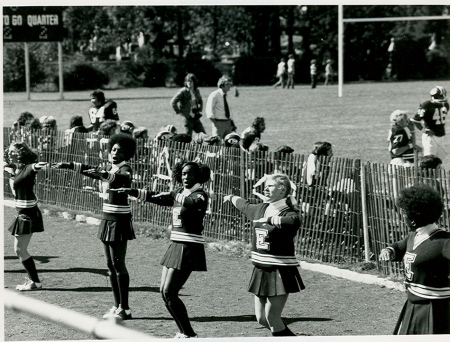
{"points": [[29, 285], [123, 314]]}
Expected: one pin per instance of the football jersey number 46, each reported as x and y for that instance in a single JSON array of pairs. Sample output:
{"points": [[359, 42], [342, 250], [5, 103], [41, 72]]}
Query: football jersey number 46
{"points": [[439, 115]]}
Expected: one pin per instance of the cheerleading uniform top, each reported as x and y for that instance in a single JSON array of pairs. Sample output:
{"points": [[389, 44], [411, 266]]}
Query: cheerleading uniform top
{"points": [[115, 204], [22, 184], [426, 256], [272, 241], [189, 208]]}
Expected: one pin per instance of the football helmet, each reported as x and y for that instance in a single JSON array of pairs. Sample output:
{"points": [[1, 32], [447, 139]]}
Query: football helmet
{"points": [[397, 115], [438, 93]]}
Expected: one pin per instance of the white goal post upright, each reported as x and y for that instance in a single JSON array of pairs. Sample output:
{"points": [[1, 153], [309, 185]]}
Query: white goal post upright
{"points": [[341, 22]]}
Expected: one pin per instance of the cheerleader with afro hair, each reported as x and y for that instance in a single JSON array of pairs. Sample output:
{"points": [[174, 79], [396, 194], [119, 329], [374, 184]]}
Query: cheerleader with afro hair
{"points": [[186, 252], [116, 226]]}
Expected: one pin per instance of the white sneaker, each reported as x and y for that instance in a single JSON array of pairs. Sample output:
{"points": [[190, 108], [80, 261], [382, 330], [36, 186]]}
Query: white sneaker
{"points": [[110, 313], [29, 285], [181, 335]]}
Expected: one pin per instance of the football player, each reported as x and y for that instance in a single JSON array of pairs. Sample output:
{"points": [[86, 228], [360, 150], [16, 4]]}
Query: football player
{"points": [[430, 118], [101, 110], [401, 139]]}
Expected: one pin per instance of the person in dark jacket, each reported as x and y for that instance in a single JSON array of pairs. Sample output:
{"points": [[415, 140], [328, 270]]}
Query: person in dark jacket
{"points": [[188, 103], [275, 223]]}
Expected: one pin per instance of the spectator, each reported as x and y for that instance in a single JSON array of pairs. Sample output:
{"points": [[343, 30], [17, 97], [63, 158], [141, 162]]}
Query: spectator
{"points": [[290, 71], [401, 140], [24, 120], [108, 127], [183, 138], [313, 71], [281, 74], [127, 127], [76, 125], [430, 119], [329, 73], [428, 164], [232, 140], [218, 111], [315, 168], [49, 133], [249, 141], [140, 133], [188, 103], [279, 155], [35, 124], [258, 126], [425, 252], [101, 110]]}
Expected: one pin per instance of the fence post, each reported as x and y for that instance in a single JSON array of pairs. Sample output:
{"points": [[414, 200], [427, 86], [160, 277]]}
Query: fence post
{"points": [[364, 212]]}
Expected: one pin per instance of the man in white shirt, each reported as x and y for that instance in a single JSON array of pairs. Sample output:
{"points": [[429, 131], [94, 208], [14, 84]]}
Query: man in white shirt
{"points": [[218, 111]]}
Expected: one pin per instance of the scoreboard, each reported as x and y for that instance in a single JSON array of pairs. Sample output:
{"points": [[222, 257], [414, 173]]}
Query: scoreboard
{"points": [[32, 24]]}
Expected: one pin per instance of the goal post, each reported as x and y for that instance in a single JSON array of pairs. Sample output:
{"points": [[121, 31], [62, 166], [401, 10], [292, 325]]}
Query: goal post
{"points": [[342, 20]]}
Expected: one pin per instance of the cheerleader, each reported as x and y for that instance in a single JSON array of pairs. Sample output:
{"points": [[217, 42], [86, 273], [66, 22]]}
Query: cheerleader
{"points": [[22, 166], [275, 272], [186, 252], [116, 225], [425, 252]]}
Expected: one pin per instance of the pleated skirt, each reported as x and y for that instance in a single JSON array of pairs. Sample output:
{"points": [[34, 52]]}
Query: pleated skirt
{"points": [[428, 317], [275, 281], [110, 231], [27, 221], [186, 256]]}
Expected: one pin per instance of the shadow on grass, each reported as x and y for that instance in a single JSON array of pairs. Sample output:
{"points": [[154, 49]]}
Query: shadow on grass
{"points": [[100, 289], [41, 259], [67, 270], [242, 318]]}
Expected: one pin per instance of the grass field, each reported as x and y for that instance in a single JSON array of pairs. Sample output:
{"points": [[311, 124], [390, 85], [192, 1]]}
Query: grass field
{"points": [[73, 271], [356, 124]]}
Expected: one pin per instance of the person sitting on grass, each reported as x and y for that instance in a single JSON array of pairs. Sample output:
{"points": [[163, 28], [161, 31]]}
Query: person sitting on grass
{"points": [[116, 227], [186, 252]]}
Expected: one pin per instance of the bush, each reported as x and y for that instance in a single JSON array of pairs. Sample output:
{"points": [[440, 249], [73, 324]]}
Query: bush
{"points": [[204, 70], [83, 76], [155, 74], [255, 70], [14, 68]]}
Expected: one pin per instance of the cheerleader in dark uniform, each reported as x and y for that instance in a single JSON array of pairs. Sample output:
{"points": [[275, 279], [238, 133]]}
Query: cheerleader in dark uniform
{"points": [[425, 252], [116, 226], [22, 166], [275, 275], [186, 252]]}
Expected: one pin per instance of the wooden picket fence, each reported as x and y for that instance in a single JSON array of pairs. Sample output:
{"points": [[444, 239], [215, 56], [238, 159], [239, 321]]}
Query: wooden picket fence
{"points": [[348, 215]]}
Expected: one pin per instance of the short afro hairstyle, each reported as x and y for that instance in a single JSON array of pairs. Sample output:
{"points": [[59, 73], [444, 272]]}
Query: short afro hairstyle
{"points": [[421, 204], [126, 142], [258, 121], [202, 171]]}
